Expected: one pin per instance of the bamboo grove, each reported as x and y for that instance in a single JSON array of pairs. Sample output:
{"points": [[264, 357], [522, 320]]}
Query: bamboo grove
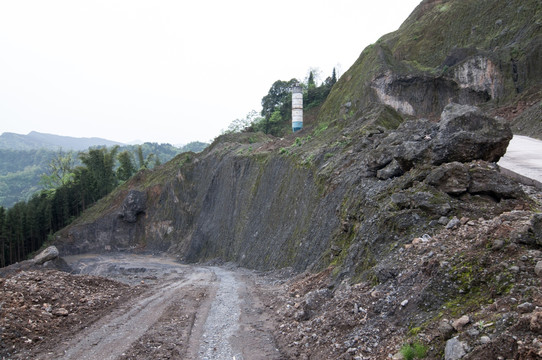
{"points": [[26, 226]]}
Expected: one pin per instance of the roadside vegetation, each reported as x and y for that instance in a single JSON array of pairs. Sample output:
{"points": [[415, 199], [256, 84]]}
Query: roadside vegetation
{"points": [[69, 184], [72, 182]]}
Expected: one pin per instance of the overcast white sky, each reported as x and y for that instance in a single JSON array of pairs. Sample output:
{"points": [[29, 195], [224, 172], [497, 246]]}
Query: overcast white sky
{"points": [[165, 70]]}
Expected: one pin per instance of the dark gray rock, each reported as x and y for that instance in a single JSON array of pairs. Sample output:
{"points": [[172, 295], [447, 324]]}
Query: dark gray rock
{"points": [[490, 182], [411, 143], [445, 329], [452, 178], [536, 228], [497, 244], [452, 224], [133, 205], [393, 169], [465, 133], [526, 307], [455, 349]]}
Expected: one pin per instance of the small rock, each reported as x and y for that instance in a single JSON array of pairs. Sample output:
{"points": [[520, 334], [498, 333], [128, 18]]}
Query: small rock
{"points": [[514, 269], [497, 244], [536, 322], [485, 339], [445, 329], [302, 315], [461, 322], [443, 220], [473, 332], [60, 312], [526, 307], [417, 241], [404, 303], [455, 349], [538, 269], [452, 224]]}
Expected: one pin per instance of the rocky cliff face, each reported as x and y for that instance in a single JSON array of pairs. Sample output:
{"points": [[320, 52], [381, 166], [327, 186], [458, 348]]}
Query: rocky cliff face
{"points": [[391, 156], [462, 51], [394, 189], [335, 196]]}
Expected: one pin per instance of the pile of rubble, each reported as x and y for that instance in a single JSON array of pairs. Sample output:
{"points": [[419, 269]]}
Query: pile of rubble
{"points": [[39, 305], [472, 290]]}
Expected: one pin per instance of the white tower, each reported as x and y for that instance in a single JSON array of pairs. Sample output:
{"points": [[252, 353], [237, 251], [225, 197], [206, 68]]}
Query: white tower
{"points": [[297, 108]]}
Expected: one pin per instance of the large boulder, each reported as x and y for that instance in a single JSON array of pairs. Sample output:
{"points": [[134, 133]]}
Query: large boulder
{"points": [[133, 205], [48, 254], [476, 178], [465, 133]]}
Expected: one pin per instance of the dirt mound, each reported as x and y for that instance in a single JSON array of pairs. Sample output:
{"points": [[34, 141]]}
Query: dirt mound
{"points": [[37, 306], [476, 283]]}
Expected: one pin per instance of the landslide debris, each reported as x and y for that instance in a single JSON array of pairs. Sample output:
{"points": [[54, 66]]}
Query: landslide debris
{"points": [[470, 290], [38, 306]]}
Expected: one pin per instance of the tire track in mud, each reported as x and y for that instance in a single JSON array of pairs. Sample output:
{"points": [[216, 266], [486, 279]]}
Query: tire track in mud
{"points": [[233, 323], [112, 335], [222, 320], [188, 312]]}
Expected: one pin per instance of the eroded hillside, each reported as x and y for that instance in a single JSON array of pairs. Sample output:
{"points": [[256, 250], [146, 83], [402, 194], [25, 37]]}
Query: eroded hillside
{"points": [[369, 173], [393, 189]]}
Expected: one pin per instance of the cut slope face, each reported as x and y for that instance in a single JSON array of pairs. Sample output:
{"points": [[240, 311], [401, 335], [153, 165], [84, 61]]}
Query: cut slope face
{"points": [[336, 196], [370, 174]]}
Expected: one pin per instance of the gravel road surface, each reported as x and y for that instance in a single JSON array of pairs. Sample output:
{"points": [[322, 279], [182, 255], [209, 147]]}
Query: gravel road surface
{"points": [[187, 312]]}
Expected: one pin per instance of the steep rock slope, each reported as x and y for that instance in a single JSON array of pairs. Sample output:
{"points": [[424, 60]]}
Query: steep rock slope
{"points": [[393, 193], [486, 53], [334, 196], [362, 180]]}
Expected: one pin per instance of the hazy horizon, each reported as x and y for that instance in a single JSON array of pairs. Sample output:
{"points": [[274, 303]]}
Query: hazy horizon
{"points": [[166, 71]]}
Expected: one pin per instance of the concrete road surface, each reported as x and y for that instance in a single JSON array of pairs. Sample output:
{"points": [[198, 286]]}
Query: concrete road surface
{"points": [[524, 157]]}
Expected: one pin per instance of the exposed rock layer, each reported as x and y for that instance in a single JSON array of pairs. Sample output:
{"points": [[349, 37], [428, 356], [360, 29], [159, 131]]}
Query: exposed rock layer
{"points": [[267, 210]]}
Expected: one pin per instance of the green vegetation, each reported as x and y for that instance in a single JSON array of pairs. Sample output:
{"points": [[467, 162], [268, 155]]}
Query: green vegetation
{"points": [[70, 186], [276, 114], [415, 350], [21, 171]]}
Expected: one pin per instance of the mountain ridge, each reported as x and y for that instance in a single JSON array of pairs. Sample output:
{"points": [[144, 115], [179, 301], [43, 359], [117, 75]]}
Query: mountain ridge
{"points": [[36, 140]]}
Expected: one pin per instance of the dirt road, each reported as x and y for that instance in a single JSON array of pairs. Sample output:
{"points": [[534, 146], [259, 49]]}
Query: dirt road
{"points": [[188, 312], [524, 156]]}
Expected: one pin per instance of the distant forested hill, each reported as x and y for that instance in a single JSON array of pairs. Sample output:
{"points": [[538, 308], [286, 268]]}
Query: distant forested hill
{"points": [[20, 172], [21, 169], [35, 140]]}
